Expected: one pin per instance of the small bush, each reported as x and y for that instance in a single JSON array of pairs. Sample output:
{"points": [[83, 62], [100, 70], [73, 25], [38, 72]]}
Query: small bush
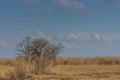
{"points": [[21, 71], [43, 53]]}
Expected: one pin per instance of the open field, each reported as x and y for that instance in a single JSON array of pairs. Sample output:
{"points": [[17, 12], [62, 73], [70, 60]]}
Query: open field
{"points": [[72, 72]]}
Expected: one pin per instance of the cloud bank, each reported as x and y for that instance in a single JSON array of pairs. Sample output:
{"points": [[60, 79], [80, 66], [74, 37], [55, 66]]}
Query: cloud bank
{"points": [[90, 36], [90, 41]]}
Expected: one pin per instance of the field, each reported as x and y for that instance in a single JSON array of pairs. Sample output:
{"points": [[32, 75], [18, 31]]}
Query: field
{"points": [[69, 71]]}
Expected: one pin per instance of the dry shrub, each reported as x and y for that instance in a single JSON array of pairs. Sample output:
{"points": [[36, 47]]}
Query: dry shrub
{"points": [[26, 66], [42, 51], [43, 65], [21, 71]]}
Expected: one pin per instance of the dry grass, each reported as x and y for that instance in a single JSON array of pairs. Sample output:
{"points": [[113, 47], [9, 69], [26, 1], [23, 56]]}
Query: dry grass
{"points": [[4, 70], [85, 72], [86, 69], [22, 70], [73, 72], [89, 61], [7, 61], [69, 71]]}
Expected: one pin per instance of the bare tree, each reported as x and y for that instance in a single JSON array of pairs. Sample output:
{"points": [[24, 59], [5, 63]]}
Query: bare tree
{"points": [[42, 53]]}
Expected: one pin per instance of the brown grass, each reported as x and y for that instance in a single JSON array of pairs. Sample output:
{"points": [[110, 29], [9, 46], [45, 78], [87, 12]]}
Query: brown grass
{"points": [[4, 70], [7, 61], [22, 70], [69, 69], [86, 69], [89, 61], [77, 72]]}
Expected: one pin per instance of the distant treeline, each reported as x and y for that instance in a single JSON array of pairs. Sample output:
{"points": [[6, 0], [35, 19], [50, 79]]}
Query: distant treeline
{"points": [[74, 61], [89, 61]]}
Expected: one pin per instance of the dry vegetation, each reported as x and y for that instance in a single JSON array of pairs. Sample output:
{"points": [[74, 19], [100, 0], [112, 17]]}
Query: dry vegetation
{"points": [[89, 61], [96, 68]]}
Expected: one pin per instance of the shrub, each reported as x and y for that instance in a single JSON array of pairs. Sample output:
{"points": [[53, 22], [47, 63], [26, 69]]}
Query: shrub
{"points": [[42, 53], [21, 70]]}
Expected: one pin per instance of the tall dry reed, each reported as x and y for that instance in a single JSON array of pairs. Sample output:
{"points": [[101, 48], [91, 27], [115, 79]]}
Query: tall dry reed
{"points": [[22, 70]]}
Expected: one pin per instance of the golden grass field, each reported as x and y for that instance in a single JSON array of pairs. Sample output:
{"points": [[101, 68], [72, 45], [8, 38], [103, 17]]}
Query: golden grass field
{"points": [[72, 72]]}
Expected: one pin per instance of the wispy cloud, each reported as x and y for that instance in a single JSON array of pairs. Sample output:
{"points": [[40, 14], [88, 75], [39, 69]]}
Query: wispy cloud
{"points": [[84, 41], [97, 36], [20, 19], [111, 1], [44, 10], [90, 36], [3, 44], [32, 1], [90, 40], [78, 36], [43, 35], [23, 1], [70, 4]]}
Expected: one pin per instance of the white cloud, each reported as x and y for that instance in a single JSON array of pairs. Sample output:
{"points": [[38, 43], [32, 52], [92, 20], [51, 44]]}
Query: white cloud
{"points": [[84, 36], [20, 19], [32, 1], [73, 37], [90, 36], [23, 1], [79, 36], [3, 44], [107, 37], [117, 37], [70, 4], [60, 37], [111, 1], [97, 36], [83, 40], [67, 45], [43, 35]]}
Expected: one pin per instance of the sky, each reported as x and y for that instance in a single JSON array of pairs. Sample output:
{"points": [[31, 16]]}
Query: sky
{"points": [[84, 27]]}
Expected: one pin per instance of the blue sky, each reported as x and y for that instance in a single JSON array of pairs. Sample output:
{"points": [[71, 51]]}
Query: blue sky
{"points": [[84, 27]]}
